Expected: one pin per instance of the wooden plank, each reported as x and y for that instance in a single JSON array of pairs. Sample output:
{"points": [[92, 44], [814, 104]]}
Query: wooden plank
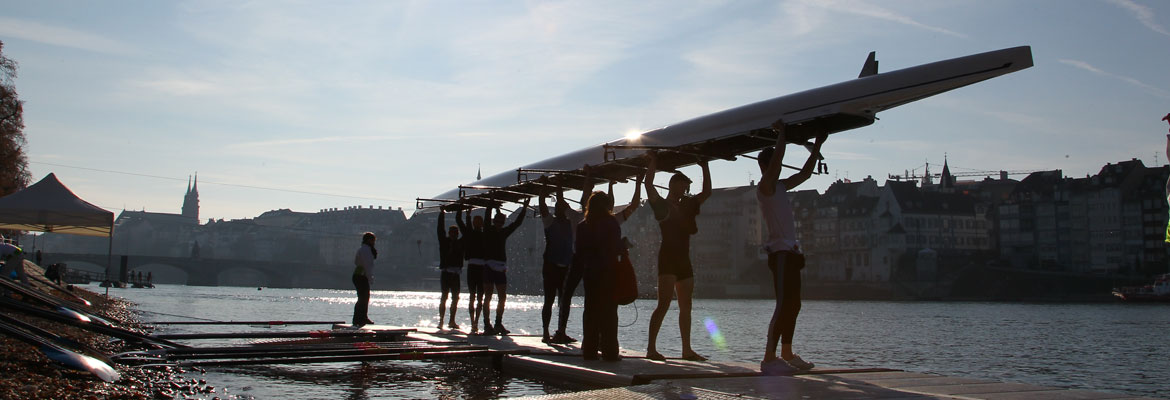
{"points": [[977, 388], [932, 381], [1050, 394], [778, 387]]}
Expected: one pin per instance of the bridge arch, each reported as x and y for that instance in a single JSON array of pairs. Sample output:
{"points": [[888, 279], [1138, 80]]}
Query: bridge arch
{"points": [[244, 276]]}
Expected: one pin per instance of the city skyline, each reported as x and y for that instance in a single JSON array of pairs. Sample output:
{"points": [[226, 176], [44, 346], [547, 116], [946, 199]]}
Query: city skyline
{"points": [[331, 104]]}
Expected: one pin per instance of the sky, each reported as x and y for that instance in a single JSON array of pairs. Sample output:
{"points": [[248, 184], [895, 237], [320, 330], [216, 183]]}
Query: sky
{"points": [[313, 105]]}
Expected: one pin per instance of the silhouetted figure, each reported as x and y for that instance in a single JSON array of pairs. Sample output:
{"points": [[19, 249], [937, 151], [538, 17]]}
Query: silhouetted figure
{"points": [[558, 256], [1167, 118], [576, 271], [53, 273], [13, 258], [676, 218], [363, 277], [496, 274], [473, 252], [785, 259], [599, 244], [38, 257], [450, 266], [149, 276]]}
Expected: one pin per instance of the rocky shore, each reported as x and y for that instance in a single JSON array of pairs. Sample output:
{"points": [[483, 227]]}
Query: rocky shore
{"points": [[25, 373]]}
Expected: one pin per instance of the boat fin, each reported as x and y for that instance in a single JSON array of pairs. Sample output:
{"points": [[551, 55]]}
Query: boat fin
{"points": [[870, 67]]}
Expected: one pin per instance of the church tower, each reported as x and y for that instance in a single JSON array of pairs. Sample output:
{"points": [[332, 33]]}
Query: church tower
{"points": [[191, 199]]}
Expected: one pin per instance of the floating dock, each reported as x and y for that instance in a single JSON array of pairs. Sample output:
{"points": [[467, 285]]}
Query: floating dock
{"points": [[636, 377]]}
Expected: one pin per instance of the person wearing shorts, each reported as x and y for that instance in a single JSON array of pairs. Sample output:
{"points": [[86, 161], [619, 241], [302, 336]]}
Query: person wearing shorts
{"points": [[450, 266], [472, 231], [676, 218], [496, 273]]}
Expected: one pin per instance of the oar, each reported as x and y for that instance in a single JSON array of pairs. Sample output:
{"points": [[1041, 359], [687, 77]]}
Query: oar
{"points": [[57, 339], [63, 290], [63, 356], [270, 323], [49, 301], [111, 331], [308, 334]]}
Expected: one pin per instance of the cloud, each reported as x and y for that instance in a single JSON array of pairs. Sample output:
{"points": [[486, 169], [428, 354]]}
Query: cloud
{"points": [[1089, 67], [58, 36], [864, 9], [1143, 14]]}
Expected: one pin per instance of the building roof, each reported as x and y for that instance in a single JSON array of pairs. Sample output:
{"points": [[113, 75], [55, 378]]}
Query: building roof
{"points": [[912, 200]]}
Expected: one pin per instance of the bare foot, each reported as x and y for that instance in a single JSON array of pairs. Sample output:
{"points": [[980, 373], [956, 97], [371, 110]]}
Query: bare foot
{"points": [[693, 356], [654, 355]]}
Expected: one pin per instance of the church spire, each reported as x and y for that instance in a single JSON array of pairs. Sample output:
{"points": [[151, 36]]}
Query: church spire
{"points": [[948, 180], [191, 199], [478, 172]]}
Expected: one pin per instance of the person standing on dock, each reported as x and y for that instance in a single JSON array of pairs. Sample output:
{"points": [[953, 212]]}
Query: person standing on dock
{"points": [[473, 252], [599, 244], [676, 218], [363, 277], [496, 274], [785, 259], [558, 253], [576, 271], [450, 265]]}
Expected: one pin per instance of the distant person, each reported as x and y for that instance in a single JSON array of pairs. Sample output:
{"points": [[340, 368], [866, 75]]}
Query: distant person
{"points": [[450, 265], [38, 257], [13, 258], [599, 244], [558, 253], [676, 218], [473, 252], [149, 276], [53, 273], [363, 277], [785, 259], [496, 275]]}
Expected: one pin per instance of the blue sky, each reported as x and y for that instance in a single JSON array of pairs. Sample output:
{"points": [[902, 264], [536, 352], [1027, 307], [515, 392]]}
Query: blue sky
{"points": [[380, 102]]}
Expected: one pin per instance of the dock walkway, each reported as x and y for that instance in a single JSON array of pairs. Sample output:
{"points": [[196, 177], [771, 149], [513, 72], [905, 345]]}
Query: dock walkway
{"points": [[636, 377]]}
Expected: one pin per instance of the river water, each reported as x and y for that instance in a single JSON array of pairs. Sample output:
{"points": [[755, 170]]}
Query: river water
{"points": [[1110, 347]]}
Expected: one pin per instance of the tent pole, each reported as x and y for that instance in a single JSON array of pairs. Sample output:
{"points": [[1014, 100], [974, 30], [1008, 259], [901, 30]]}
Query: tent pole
{"points": [[109, 259]]}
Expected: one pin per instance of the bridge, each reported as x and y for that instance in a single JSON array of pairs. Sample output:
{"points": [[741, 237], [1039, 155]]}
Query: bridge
{"points": [[208, 272]]}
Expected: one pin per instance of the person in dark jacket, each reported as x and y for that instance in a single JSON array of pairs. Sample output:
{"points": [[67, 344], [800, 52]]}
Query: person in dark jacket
{"points": [[496, 275], [558, 254], [472, 231], [450, 266], [599, 244]]}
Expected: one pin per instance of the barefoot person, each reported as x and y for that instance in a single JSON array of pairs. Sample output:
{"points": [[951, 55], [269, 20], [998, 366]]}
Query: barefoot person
{"points": [[450, 265], [473, 253], [599, 244], [13, 258], [496, 274], [363, 277], [676, 218], [784, 254]]}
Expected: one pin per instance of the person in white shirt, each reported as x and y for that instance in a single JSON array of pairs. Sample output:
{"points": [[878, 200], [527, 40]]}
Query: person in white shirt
{"points": [[785, 258], [363, 277]]}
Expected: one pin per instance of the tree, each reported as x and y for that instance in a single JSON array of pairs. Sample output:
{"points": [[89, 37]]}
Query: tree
{"points": [[14, 174]]}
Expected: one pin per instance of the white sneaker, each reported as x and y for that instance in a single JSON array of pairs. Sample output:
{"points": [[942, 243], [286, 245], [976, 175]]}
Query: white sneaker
{"points": [[776, 367], [799, 363]]}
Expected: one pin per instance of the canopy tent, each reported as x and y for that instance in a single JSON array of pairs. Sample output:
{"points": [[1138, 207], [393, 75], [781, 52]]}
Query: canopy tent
{"points": [[49, 206]]}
